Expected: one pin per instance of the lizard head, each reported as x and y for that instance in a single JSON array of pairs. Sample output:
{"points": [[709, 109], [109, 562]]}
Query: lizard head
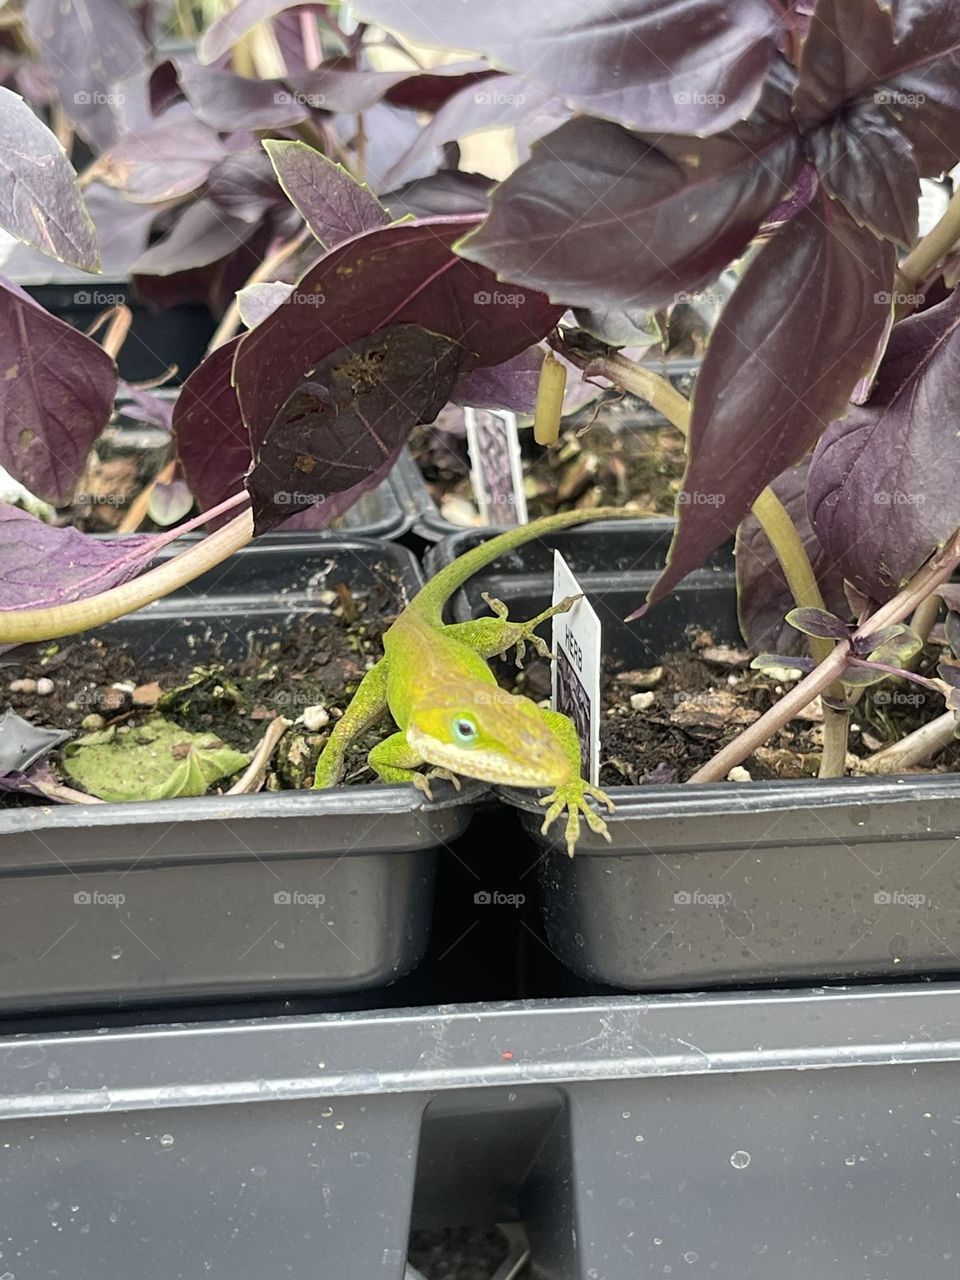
{"points": [[483, 732]]}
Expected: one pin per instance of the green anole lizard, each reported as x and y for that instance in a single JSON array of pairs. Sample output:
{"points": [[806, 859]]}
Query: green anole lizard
{"points": [[449, 709]]}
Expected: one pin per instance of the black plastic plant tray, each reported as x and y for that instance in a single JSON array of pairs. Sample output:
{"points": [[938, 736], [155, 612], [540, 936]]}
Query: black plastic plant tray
{"points": [[760, 1136], [222, 897], [728, 883]]}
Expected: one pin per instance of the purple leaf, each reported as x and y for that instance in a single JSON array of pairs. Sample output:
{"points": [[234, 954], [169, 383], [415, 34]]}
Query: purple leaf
{"points": [[40, 202], [170, 160], [121, 227], [513, 384], [213, 444], [203, 235], [245, 185], [866, 162], [653, 64], [763, 596], [389, 132], [602, 217], [223, 34], [800, 329], [882, 493], [339, 86], [498, 103], [170, 503], [56, 394], [351, 419], [449, 192], [146, 406], [41, 566], [331, 202], [227, 101], [845, 50], [403, 274], [88, 46]]}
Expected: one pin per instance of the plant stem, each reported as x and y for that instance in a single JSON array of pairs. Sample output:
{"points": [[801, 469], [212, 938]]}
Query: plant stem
{"points": [[920, 586], [916, 748], [18, 626], [252, 778], [924, 616], [773, 518], [271, 264], [936, 244]]}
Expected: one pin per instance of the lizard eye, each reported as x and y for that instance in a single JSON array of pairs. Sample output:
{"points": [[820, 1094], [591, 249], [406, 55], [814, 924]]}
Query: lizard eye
{"points": [[465, 731]]}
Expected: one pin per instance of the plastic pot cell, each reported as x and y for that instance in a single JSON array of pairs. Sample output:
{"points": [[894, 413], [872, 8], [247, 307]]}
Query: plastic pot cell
{"points": [[727, 884], [226, 896]]}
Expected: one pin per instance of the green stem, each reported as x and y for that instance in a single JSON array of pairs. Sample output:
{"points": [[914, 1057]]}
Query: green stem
{"points": [[934, 246]]}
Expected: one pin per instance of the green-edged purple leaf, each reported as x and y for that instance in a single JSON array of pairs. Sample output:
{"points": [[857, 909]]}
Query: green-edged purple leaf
{"points": [[40, 202], [650, 64], [883, 492], [224, 33], [204, 234], [224, 100], [351, 419], [41, 565], [800, 329], [894, 646], [600, 217], [170, 160], [779, 662], [88, 47], [401, 274], [865, 161], [56, 395], [817, 622], [763, 597], [213, 444], [331, 202]]}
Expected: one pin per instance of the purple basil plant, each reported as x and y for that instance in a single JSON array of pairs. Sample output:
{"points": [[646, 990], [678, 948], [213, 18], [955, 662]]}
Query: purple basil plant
{"points": [[661, 142]]}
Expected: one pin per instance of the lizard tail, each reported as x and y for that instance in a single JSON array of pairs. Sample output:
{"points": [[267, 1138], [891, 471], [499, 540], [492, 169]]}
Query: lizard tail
{"points": [[430, 599]]}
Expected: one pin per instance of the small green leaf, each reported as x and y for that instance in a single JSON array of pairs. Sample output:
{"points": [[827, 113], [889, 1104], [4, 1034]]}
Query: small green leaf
{"points": [[158, 761]]}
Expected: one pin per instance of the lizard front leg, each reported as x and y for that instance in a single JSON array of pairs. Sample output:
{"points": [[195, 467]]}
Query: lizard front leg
{"points": [[367, 705], [494, 637], [394, 760], [572, 795]]}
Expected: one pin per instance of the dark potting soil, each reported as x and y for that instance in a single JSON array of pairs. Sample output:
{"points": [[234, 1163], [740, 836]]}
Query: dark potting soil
{"points": [[293, 671], [615, 452], [458, 1253], [661, 724]]}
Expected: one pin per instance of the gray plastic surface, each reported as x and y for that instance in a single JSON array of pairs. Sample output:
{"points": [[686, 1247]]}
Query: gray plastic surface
{"points": [[728, 883], [216, 897], [804, 1135]]}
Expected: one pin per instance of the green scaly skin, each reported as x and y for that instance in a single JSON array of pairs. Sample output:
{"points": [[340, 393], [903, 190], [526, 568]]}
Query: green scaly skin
{"points": [[451, 714]]}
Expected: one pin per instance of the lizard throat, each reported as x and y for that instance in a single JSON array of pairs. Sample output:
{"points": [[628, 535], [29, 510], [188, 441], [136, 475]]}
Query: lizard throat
{"points": [[486, 766]]}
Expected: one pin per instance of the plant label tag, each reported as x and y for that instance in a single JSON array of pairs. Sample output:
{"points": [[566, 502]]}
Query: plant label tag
{"points": [[576, 671], [496, 471]]}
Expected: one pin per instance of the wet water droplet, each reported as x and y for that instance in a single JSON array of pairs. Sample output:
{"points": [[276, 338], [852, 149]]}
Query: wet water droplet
{"points": [[850, 1160], [166, 1139], [327, 1112], [691, 1257], [740, 1159], [116, 953]]}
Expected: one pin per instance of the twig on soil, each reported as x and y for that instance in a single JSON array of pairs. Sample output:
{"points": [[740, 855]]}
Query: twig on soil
{"points": [[916, 748], [252, 778]]}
